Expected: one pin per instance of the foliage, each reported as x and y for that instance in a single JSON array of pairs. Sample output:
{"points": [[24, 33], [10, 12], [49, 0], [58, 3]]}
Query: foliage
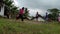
{"points": [[26, 14], [10, 7], [50, 16], [53, 13]]}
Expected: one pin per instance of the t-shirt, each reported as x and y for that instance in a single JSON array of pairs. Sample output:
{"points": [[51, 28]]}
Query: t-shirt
{"points": [[21, 11], [59, 19]]}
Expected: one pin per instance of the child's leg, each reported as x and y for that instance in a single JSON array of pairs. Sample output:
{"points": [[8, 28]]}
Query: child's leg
{"points": [[36, 18], [22, 18]]}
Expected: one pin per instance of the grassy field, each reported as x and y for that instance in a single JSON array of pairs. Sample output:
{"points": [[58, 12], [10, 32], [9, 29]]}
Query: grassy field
{"points": [[10, 26]]}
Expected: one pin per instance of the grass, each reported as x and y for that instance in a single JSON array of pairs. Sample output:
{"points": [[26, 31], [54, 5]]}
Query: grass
{"points": [[10, 26]]}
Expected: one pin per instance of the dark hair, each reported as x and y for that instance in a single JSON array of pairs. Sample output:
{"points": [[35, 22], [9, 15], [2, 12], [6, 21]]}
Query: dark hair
{"points": [[22, 7]]}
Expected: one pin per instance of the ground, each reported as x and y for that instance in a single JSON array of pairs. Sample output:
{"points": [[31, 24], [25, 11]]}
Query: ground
{"points": [[11, 26]]}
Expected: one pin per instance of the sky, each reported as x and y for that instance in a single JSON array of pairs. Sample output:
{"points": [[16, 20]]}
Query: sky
{"points": [[38, 5]]}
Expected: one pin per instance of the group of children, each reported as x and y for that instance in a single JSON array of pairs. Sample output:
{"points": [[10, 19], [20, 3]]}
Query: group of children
{"points": [[46, 17], [21, 12], [37, 16]]}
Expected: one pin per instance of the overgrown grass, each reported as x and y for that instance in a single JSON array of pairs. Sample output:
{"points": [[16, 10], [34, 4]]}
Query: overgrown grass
{"points": [[9, 26]]}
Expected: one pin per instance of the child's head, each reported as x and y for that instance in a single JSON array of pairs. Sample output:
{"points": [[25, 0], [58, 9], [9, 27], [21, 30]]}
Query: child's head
{"points": [[23, 8]]}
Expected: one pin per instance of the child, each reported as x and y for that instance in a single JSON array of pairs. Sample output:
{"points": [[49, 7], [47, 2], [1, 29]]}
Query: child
{"points": [[46, 16], [21, 14], [37, 16], [59, 19]]}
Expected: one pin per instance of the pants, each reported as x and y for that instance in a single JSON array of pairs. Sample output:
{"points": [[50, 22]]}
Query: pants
{"points": [[37, 18], [20, 16]]}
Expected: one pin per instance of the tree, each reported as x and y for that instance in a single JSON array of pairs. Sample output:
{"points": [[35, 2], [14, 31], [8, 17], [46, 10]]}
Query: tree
{"points": [[26, 14], [53, 13], [10, 7], [50, 16]]}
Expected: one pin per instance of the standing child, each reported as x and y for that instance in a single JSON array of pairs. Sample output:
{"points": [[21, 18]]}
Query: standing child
{"points": [[21, 14], [37, 16], [46, 16], [59, 19]]}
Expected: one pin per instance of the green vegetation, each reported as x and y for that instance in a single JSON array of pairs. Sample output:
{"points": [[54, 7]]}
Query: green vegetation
{"points": [[10, 26], [10, 8], [53, 13], [26, 14]]}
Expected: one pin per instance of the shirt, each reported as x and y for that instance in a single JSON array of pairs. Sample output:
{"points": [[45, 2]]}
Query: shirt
{"points": [[59, 19], [21, 11]]}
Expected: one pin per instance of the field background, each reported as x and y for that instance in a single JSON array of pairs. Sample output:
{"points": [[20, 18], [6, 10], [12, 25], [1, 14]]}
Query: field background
{"points": [[11, 26]]}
